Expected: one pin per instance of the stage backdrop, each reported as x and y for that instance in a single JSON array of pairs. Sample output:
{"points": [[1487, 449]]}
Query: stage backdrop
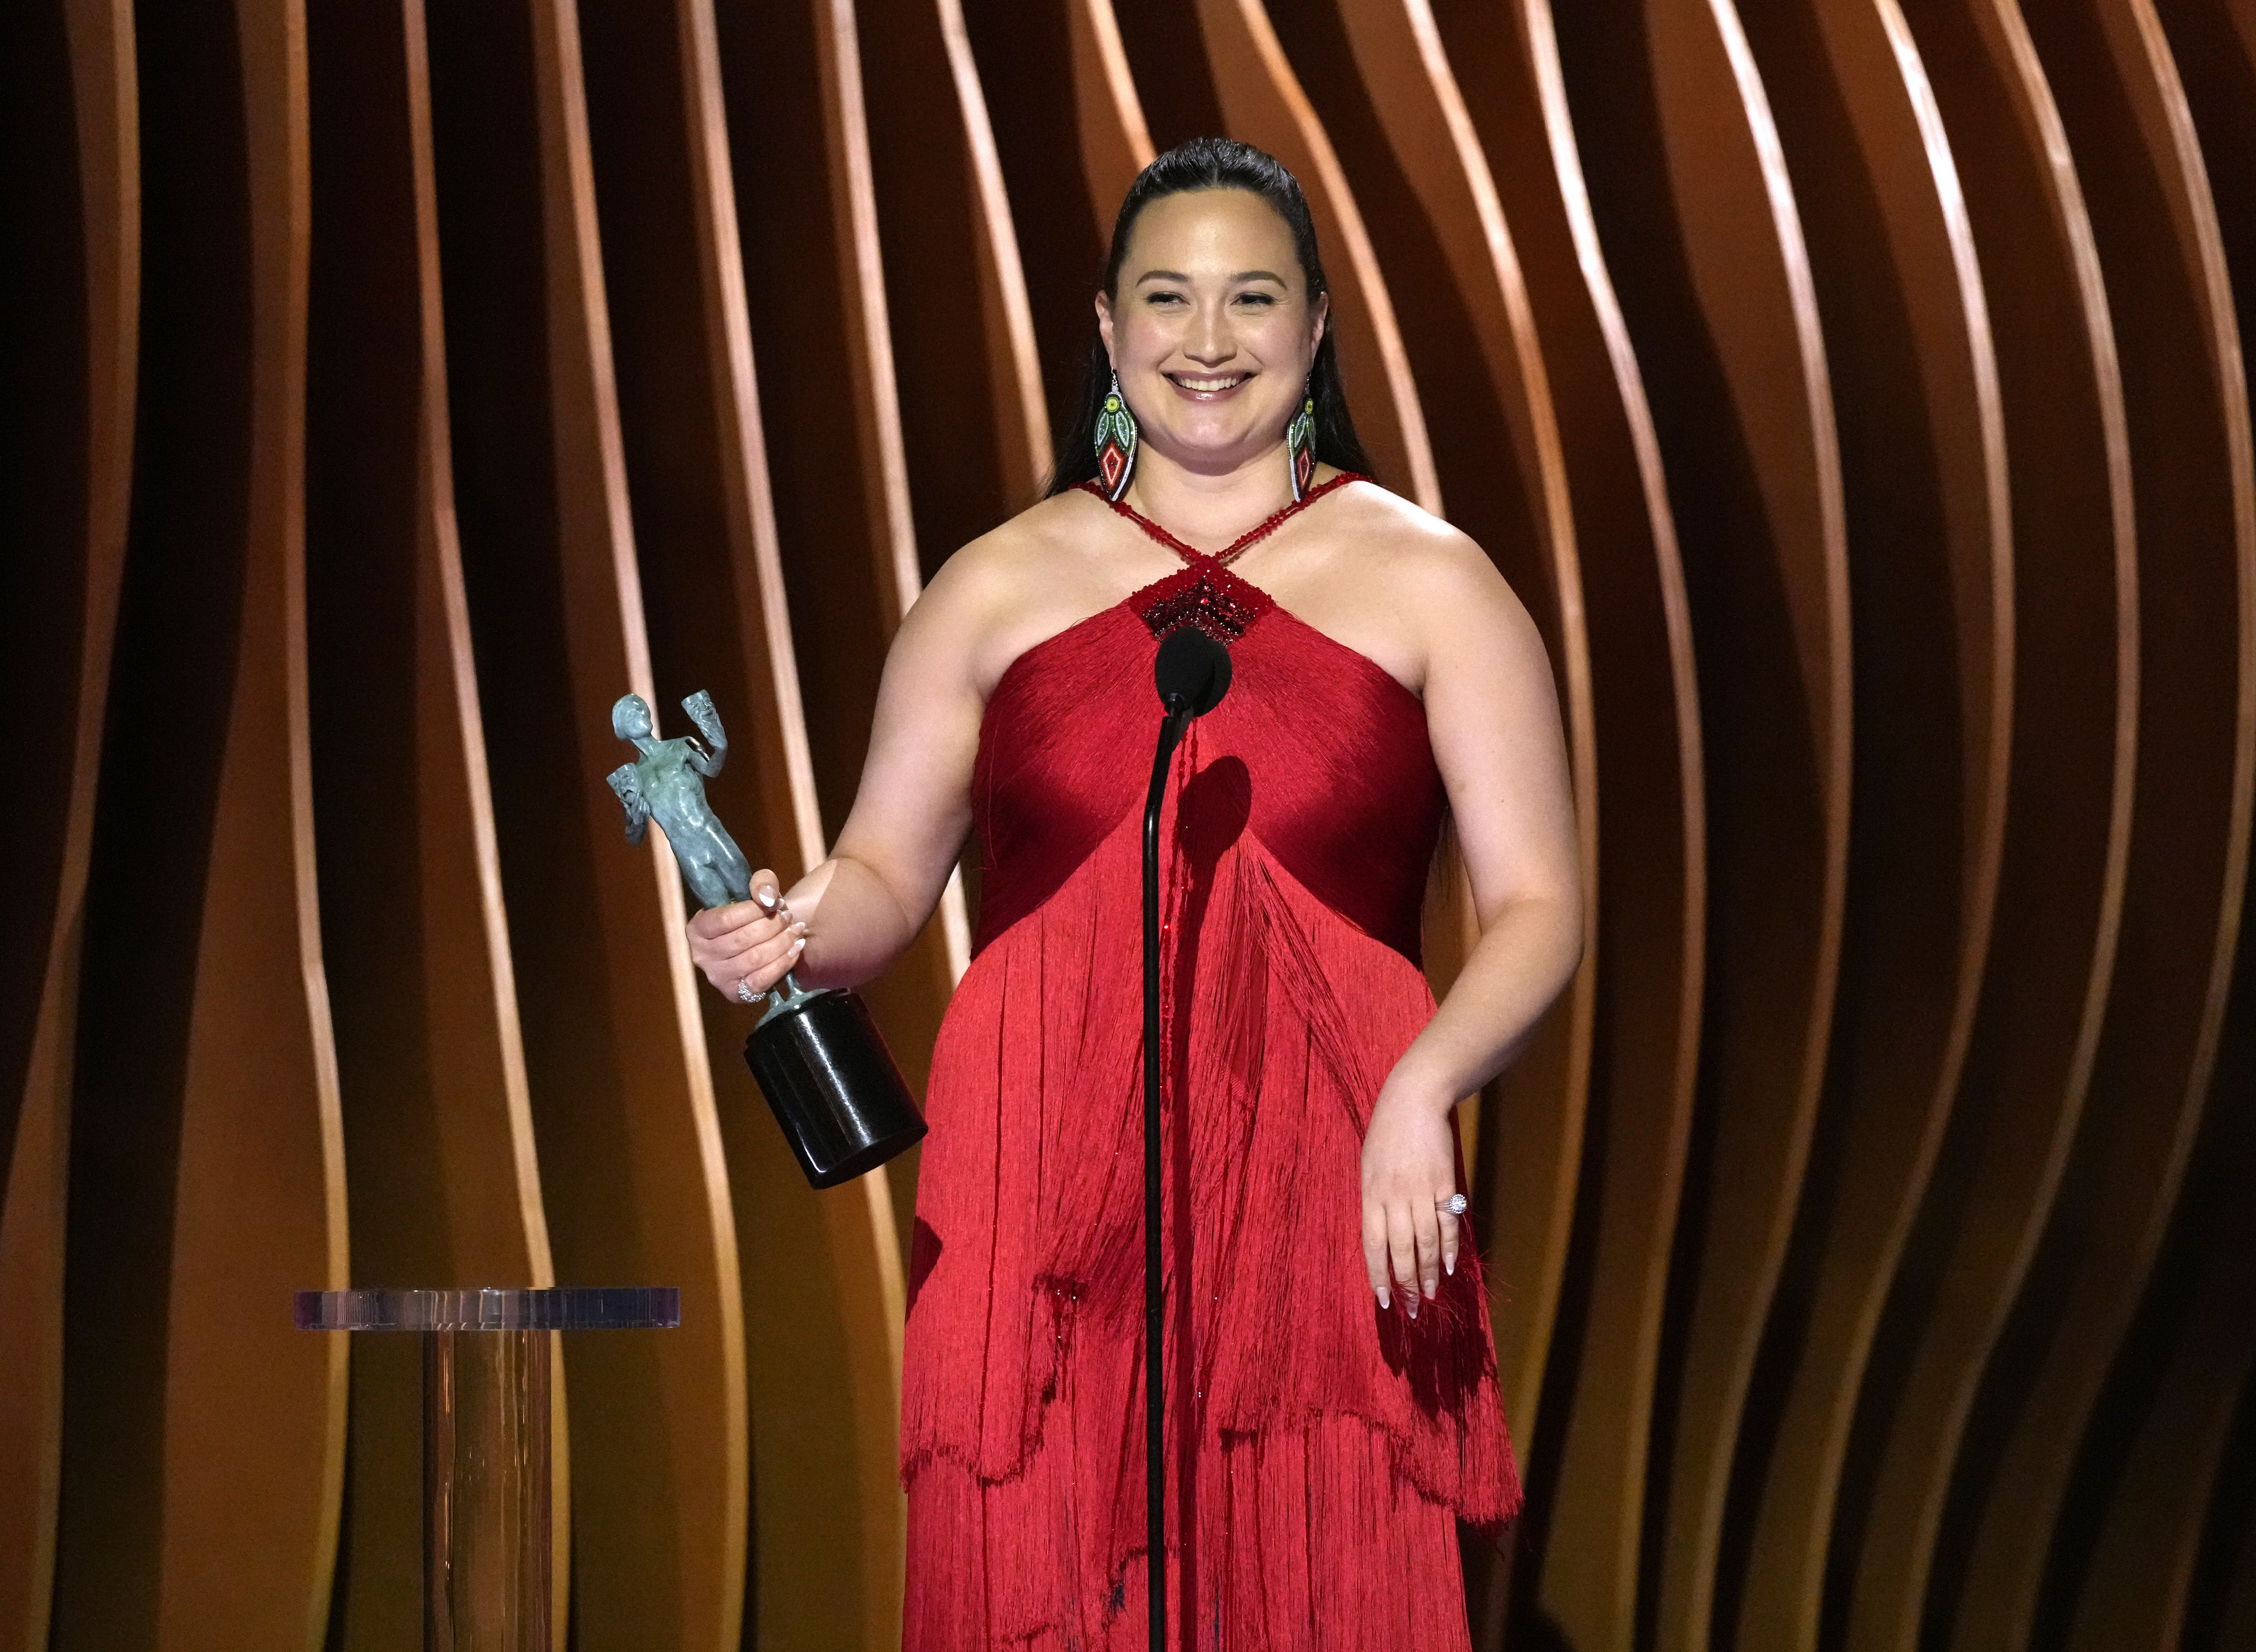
{"points": [[1855, 390]]}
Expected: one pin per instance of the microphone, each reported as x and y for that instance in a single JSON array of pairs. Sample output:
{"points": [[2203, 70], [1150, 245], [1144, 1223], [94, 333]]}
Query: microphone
{"points": [[1192, 673], [1193, 670]]}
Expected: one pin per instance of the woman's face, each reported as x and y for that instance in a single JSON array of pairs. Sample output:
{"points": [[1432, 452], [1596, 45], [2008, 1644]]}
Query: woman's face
{"points": [[1211, 332]]}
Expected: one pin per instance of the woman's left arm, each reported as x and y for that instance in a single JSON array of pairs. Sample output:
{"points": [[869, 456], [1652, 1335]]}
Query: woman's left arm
{"points": [[1492, 717]]}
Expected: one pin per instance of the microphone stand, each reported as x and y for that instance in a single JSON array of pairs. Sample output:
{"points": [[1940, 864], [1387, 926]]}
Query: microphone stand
{"points": [[1180, 709], [1192, 673]]}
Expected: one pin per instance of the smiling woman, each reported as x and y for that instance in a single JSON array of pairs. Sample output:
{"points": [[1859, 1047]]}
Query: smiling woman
{"points": [[1245, 192], [1331, 1406]]}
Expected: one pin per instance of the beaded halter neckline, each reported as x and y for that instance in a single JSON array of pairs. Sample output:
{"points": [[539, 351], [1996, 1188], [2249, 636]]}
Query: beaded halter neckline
{"points": [[1245, 541], [1205, 592]]}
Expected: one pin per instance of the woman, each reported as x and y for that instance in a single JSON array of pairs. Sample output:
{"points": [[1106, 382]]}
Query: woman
{"points": [[1332, 1401]]}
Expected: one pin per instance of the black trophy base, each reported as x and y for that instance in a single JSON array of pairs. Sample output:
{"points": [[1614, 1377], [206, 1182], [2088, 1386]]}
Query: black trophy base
{"points": [[836, 1092]]}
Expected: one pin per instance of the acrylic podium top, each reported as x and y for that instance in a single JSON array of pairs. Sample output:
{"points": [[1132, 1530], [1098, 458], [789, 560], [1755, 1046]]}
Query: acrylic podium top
{"points": [[648, 1308]]}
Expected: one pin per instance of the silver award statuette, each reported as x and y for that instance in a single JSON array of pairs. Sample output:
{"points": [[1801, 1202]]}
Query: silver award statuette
{"points": [[817, 1055]]}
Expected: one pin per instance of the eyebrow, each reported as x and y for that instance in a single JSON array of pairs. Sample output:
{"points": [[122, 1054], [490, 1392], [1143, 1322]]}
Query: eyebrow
{"points": [[1177, 275]]}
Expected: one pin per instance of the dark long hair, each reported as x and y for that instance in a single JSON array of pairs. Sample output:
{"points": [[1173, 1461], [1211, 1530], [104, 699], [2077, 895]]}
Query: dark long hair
{"points": [[1215, 162]]}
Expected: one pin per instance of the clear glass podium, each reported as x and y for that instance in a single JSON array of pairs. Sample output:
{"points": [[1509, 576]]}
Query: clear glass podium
{"points": [[486, 1486]]}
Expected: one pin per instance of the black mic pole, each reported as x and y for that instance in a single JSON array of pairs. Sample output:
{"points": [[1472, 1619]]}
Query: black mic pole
{"points": [[1155, 1443], [1192, 674]]}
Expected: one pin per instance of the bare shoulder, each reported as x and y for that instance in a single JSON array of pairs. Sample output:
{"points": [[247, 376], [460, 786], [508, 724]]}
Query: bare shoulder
{"points": [[1435, 576], [991, 572], [1010, 586]]}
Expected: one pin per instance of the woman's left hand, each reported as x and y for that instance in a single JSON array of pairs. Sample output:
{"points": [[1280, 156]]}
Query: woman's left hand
{"points": [[1409, 1172]]}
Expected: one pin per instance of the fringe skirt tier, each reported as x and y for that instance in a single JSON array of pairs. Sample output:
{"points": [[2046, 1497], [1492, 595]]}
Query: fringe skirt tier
{"points": [[1329, 1448]]}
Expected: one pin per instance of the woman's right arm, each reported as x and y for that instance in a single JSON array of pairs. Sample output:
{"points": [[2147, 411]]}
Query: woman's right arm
{"points": [[858, 911]]}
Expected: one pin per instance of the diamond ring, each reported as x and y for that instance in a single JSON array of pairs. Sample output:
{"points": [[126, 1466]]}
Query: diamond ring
{"points": [[1456, 1204], [744, 994]]}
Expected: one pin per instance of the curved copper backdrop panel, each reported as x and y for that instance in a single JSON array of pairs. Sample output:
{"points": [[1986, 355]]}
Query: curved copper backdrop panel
{"points": [[1924, 472], [254, 1419], [1115, 142], [2187, 406], [439, 1150], [178, 627], [74, 73], [1854, 389], [225, 1114], [1059, 111], [2069, 816], [2164, 1551], [623, 1103], [1720, 304], [2213, 43], [1587, 1440]]}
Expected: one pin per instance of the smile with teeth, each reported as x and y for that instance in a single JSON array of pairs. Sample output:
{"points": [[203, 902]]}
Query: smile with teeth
{"points": [[1207, 385]]}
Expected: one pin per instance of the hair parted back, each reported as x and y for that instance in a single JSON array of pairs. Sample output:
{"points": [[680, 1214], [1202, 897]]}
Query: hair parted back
{"points": [[1215, 163]]}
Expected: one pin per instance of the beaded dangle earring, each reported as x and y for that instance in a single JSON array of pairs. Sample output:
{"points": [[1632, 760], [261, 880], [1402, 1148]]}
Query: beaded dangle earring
{"points": [[1116, 442], [1301, 446]]}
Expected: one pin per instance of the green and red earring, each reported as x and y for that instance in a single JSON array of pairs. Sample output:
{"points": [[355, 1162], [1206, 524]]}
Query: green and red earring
{"points": [[1116, 441], [1301, 446]]}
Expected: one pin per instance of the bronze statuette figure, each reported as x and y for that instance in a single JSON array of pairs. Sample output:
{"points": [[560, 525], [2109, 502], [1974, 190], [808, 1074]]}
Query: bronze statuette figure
{"points": [[817, 1054]]}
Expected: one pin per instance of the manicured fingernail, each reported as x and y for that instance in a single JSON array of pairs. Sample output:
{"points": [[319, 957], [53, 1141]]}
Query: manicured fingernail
{"points": [[1450, 1264], [799, 927], [1383, 1300], [797, 944], [768, 898], [1411, 1302]]}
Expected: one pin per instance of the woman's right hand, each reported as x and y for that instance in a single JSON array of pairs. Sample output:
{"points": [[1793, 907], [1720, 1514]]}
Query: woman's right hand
{"points": [[744, 948]]}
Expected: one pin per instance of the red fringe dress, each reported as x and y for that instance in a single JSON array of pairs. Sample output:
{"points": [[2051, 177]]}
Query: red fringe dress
{"points": [[1321, 1450]]}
